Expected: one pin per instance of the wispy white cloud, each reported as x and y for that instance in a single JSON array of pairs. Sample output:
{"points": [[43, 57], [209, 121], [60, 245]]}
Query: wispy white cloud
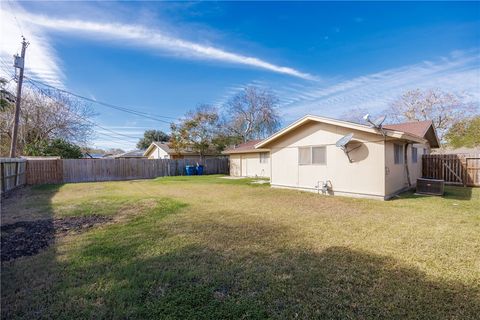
{"points": [[147, 37], [41, 60], [458, 73]]}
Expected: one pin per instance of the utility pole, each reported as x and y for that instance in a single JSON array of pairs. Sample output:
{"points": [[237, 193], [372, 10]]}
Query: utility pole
{"points": [[19, 63]]}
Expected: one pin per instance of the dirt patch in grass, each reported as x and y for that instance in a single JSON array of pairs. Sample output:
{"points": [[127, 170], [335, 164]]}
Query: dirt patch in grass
{"points": [[27, 238]]}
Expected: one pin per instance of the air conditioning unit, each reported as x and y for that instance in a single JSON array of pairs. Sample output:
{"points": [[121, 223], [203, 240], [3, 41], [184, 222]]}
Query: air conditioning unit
{"points": [[430, 186]]}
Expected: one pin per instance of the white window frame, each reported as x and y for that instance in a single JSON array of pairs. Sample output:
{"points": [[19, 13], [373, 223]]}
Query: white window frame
{"points": [[310, 162]]}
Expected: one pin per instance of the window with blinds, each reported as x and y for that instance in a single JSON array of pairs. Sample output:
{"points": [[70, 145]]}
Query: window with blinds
{"points": [[312, 155], [414, 155], [319, 155], [397, 153], [263, 157], [304, 156]]}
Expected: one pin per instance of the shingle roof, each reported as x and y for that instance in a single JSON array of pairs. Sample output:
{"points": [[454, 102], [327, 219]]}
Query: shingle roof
{"points": [[245, 147], [130, 154], [164, 146], [418, 128]]}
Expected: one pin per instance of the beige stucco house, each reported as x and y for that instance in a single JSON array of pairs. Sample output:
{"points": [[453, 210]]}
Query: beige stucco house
{"points": [[162, 150], [304, 156], [248, 161]]}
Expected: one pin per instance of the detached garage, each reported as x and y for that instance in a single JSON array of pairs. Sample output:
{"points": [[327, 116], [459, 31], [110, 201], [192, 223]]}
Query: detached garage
{"points": [[246, 161]]}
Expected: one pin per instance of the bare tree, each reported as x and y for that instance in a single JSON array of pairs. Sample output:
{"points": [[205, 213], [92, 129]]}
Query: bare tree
{"points": [[355, 115], [46, 115], [443, 108], [252, 114]]}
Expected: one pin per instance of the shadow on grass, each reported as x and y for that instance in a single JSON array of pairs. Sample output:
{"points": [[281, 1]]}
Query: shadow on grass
{"points": [[451, 192], [27, 232], [18, 281], [458, 193], [121, 273], [143, 269]]}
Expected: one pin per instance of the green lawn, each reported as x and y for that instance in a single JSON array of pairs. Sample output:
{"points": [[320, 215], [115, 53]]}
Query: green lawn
{"points": [[212, 248]]}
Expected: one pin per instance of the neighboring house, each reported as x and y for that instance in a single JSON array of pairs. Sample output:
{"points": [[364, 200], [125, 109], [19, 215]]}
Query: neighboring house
{"points": [[129, 155], [248, 161], [304, 156], [88, 155], [162, 150]]}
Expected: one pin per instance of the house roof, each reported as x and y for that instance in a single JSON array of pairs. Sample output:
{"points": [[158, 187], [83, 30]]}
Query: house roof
{"points": [[130, 154], [245, 147], [162, 145], [391, 133], [166, 147], [423, 129]]}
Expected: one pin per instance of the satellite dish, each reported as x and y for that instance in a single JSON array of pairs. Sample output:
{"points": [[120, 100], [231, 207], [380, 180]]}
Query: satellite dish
{"points": [[379, 121], [342, 143]]}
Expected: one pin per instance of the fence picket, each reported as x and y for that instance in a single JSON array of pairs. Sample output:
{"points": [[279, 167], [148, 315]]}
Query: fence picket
{"points": [[85, 170], [451, 167]]}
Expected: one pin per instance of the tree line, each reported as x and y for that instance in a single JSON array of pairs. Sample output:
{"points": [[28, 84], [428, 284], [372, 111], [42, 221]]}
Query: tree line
{"points": [[54, 123], [455, 118], [251, 114]]}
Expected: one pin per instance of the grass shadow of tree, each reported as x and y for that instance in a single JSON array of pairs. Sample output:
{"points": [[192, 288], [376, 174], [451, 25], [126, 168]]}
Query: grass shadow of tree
{"points": [[113, 277], [451, 193], [26, 282]]}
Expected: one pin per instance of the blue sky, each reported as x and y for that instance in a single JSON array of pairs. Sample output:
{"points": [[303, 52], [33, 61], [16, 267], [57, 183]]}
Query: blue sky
{"points": [[165, 58]]}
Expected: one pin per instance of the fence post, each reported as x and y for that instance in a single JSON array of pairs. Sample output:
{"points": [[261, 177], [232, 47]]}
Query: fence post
{"points": [[2, 174]]}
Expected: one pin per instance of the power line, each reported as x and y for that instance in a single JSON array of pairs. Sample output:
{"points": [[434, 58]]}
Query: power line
{"points": [[109, 105], [114, 137], [88, 120], [124, 109], [6, 68]]}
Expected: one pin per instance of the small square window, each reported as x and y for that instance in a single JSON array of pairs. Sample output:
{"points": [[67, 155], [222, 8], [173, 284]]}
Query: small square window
{"points": [[304, 156], [319, 155]]}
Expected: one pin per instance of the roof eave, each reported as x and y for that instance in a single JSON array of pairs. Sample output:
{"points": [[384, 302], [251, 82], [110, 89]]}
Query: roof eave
{"points": [[437, 141], [254, 150], [345, 124], [147, 152], [281, 132], [404, 136]]}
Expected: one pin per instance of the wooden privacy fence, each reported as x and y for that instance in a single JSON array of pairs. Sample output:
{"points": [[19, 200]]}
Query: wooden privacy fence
{"points": [[458, 169], [12, 174], [86, 170]]}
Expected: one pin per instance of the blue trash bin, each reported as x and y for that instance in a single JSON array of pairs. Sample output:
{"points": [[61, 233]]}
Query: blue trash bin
{"points": [[190, 170], [199, 170]]}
